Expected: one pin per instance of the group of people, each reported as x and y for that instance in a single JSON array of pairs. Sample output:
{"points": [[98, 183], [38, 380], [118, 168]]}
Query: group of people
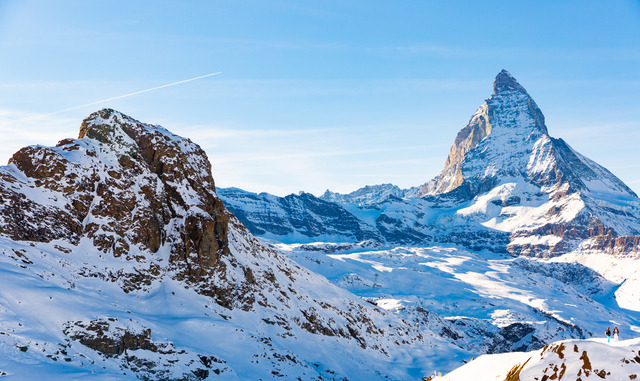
{"points": [[616, 334]]}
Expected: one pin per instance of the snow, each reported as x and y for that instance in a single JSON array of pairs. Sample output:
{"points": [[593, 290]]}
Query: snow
{"points": [[531, 208], [487, 367], [475, 294], [547, 240], [624, 271], [409, 308], [38, 299], [573, 359], [390, 304]]}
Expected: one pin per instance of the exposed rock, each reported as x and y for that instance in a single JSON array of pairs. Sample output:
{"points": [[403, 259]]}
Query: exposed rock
{"points": [[100, 336], [128, 345], [589, 360], [124, 183]]}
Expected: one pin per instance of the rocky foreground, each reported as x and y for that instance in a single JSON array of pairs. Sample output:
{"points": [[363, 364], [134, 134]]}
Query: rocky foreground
{"points": [[578, 360]]}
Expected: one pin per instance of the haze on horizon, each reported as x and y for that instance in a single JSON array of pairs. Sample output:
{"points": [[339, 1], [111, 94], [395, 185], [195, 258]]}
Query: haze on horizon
{"points": [[317, 95]]}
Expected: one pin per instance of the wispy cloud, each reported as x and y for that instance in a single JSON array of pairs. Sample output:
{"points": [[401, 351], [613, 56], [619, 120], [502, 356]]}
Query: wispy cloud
{"points": [[556, 54], [21, 128], [129, 94], [621, 129], [318, 154]]}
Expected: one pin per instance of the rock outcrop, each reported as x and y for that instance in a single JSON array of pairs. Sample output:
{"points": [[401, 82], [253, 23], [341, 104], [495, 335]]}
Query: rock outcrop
{"points": [[124, 183]]}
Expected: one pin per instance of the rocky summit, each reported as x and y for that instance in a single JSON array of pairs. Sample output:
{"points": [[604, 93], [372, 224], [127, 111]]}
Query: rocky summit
{"points": [[117, 258], [507, 186]]}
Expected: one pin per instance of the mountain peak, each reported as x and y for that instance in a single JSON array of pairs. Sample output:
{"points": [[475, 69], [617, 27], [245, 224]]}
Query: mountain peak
{"points": [[497, 141], [505, 82], [104, 125]]}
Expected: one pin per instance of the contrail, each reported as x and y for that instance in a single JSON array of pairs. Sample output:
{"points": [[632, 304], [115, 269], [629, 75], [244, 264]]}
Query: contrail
{"points": [[130, 94]]}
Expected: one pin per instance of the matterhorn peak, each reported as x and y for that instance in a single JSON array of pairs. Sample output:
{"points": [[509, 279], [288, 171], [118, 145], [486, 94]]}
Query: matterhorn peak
{"points": [[497, 142], [506, 82]]}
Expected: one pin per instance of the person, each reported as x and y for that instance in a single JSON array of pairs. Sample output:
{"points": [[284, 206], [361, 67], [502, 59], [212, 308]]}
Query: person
{"points": [[608, 333], [616, 334]]}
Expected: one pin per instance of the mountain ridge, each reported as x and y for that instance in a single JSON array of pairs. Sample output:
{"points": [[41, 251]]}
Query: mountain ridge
{"points": [[506, 186]]}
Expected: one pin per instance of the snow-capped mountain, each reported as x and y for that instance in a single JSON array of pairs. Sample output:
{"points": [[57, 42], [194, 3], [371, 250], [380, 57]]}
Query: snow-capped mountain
{"points": [[370, 194], [295, 218], [507, 185], [118, 260], [442, 255]]}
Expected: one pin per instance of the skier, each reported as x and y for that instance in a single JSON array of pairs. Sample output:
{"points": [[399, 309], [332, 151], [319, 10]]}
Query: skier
{"points": [[608, 333], [616, 334]]}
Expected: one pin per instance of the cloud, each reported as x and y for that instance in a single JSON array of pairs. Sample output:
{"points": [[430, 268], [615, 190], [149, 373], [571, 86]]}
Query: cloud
{"points": [[20, 128], [242, 157]]}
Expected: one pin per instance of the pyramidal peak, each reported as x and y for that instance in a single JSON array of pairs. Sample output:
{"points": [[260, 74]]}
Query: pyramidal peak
{"points": [[506, 82], [498, 141]]}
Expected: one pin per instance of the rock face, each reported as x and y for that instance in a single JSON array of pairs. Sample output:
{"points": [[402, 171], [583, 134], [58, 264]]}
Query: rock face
{"points": [[130, 210], [123, 183], [507, 186]]}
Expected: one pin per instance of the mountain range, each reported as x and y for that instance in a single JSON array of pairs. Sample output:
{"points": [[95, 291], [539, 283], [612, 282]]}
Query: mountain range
{"points": [[507, 186], [120, 259]]}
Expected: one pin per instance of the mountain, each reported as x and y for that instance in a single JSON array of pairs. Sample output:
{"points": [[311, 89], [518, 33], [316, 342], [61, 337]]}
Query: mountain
{"points": [[507, 186], [573, 360], [119, 260], [296, 218], [507, 138], [370, 194]]}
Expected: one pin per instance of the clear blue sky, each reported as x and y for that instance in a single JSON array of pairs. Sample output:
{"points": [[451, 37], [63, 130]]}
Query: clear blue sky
{"points": [[323, 94]]}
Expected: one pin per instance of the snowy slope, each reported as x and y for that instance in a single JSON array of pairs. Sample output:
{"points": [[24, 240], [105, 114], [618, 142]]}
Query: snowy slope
{"points": [[118, 260], [566, 360], [482, 302]]}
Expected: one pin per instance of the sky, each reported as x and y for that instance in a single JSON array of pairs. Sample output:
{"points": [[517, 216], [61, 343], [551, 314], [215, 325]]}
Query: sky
{"points": [[316, 95]]}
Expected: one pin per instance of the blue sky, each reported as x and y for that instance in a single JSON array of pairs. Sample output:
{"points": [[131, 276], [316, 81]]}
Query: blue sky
{"points": [[318, 95]]}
